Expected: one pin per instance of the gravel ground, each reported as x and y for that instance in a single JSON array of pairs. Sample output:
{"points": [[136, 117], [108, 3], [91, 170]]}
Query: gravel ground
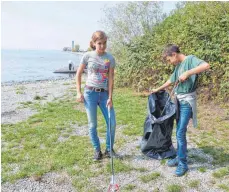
{"points": [[13, 95], [50, 182]]}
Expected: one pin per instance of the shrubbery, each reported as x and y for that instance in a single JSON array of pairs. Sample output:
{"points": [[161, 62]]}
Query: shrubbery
{"points": [[200, 29]]}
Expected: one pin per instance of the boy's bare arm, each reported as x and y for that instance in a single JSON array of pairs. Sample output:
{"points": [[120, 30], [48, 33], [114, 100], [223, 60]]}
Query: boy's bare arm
{"points": [[165, 85], [201, 68]]}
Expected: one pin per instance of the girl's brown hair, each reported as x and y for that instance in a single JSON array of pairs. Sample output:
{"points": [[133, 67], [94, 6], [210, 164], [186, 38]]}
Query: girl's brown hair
{"points": [[98, 35]]}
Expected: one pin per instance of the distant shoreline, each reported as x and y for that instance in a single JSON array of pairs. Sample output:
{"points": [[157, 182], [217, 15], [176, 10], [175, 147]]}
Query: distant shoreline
{"points": [[78, 53], [9, 83]]}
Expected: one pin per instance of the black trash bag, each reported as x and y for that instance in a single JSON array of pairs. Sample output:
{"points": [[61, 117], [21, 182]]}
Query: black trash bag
{"points": [[156, 142]]}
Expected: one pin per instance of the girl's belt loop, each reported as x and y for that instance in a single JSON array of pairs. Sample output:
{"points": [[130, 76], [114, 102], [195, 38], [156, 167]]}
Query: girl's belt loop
{"points": [[95, 89]]}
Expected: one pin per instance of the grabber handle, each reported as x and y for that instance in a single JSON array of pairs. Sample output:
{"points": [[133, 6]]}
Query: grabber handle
{"points": [[109, 111]]}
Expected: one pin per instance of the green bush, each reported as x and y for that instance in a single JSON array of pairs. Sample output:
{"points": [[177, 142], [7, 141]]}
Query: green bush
{"points": [[200, 29]]}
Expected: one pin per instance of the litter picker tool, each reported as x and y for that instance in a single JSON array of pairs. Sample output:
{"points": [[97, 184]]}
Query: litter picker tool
{"points": [[176, 84], [113, 187]]}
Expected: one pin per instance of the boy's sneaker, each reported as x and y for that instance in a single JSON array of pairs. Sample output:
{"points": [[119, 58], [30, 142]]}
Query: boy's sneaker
{"points": [[181, 170], [108, 154], [98, 155], [173, 162]]}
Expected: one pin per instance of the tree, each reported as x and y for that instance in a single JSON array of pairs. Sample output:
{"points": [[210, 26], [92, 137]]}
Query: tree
{"points": [[198, 28], [76, 48], [89, 49], [128, 20]]}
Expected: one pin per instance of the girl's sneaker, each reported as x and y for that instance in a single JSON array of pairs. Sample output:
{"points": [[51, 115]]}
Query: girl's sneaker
{"points": [[108, 154], [98, 155]]}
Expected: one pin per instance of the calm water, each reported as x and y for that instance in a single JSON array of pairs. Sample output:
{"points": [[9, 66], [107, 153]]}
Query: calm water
{"points": [[31, 65]]}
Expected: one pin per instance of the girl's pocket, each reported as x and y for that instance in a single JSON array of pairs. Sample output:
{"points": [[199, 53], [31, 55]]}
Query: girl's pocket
{"points": [[87, 91]]}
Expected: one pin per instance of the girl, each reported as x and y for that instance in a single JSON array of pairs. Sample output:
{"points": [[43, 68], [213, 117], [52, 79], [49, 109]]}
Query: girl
{"points": [[98, 89]]}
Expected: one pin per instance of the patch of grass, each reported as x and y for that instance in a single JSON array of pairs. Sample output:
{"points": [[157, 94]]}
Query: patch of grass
{"points": [[224, 187], [66, 83], [19, 92], [202, 169], [198, 158], [163, 161], [120, 142], [221, 172], [37, 97], [150, 177], [34, 120], [130, 111], [79, 184], [212, 135], [194, 183], [65, 135], [45, 127], [26, 104], [142, 169], [173, 188], [119, 166], [20, 89], [102, 129], [220, 155], [129, 187]]}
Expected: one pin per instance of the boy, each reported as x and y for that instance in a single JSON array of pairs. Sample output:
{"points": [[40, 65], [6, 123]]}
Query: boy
{"points": [[185, 73]]}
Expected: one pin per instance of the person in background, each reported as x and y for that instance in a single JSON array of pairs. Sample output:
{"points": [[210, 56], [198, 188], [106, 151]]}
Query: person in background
{"points": [[185, 77], [98, 90], [70, 65]]}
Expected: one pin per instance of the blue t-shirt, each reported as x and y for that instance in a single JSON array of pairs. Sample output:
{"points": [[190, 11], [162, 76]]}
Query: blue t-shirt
{"points": [[98, 68]]}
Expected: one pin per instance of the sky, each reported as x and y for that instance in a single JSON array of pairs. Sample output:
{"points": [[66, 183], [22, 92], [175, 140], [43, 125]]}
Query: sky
{"points": [[52, 24]]}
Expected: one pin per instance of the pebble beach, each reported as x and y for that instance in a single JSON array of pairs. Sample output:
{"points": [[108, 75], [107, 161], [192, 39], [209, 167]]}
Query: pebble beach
{"points": [[14, 94]]}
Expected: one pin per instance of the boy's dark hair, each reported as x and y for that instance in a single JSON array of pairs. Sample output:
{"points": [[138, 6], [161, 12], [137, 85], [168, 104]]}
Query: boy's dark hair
{"points": [[169, 49]]}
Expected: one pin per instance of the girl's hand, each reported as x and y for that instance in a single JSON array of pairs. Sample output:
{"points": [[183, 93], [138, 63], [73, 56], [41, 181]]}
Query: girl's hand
{"points": [[79, 98], [109, 103]]}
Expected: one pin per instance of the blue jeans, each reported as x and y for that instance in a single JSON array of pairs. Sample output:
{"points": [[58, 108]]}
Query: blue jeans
{"points": [[185, 115], [93, 99]]}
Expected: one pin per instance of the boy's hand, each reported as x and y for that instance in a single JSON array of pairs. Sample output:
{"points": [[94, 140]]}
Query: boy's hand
{"points": [[184, 76], [153, 91]]}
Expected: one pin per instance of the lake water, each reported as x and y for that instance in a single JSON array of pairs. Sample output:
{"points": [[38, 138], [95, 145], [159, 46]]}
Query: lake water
{"points": [[32, 65]]}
